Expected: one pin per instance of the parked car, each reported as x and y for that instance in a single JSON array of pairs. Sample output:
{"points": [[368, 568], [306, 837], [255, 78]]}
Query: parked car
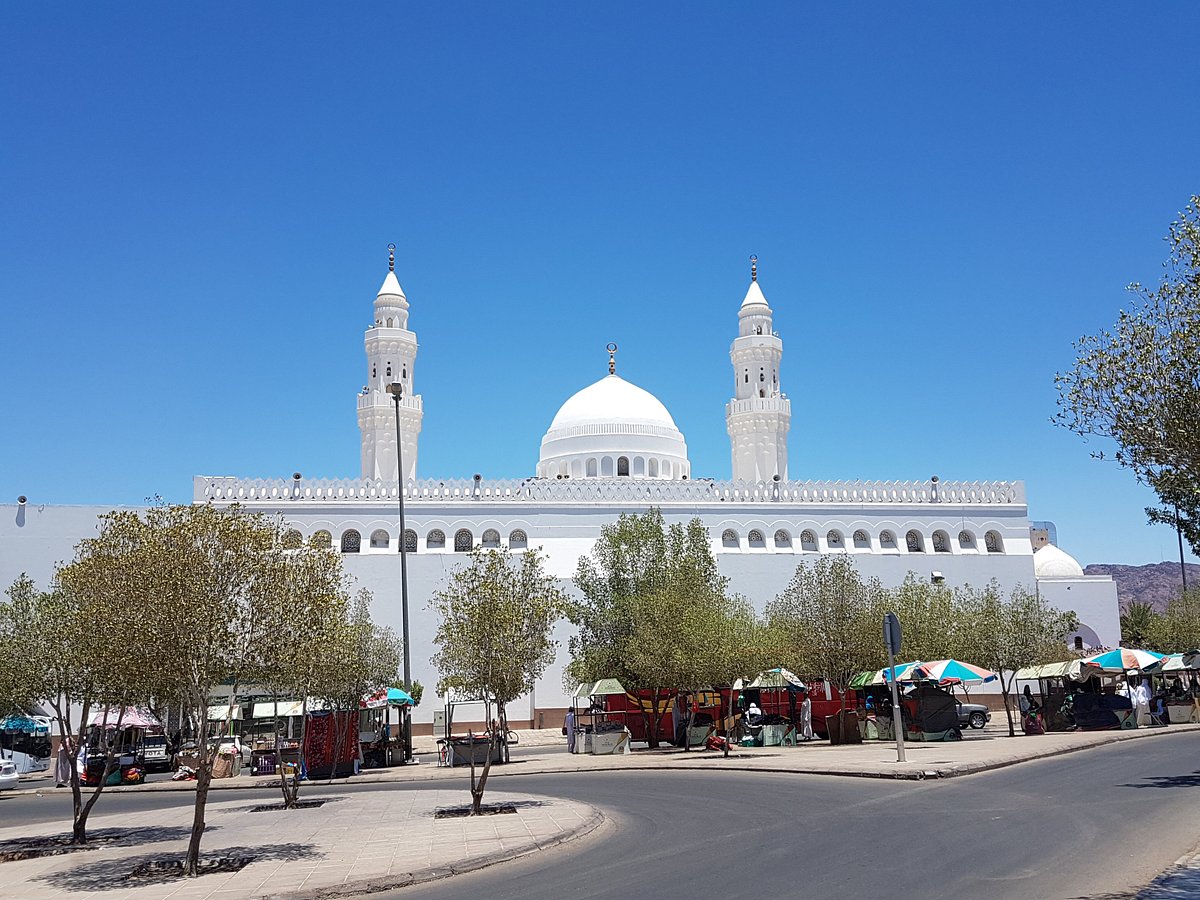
{"points": [[9, 778], [975, 715]]}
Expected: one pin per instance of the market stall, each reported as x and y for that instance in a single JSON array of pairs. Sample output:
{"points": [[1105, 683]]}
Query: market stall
{"points": [[1177, 677], [25, 742], [121, 732], [602, 728], [382, 741]]}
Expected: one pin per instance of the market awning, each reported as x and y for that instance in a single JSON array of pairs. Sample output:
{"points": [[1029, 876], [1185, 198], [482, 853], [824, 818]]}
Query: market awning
{"points": [[280, 709], [953, 671], [779, 678], [220, 712], [1123, 659], [606, 686], [1068, 669], [390, 697], [132, 717], [18, 724]]}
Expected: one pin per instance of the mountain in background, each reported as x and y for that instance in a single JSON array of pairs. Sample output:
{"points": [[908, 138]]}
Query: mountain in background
{"points": [[1156, 583]]}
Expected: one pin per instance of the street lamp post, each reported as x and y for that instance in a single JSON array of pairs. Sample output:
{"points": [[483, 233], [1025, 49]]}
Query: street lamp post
{"points": [[396, 389]]}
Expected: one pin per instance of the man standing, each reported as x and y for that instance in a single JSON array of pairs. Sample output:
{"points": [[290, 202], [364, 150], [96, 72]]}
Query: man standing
{"points": [[806, 731], [569, 728], [1139, 696]]}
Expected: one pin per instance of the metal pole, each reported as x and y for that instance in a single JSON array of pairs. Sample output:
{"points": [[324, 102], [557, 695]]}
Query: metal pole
{"points": [[897, 715], [1179, 534], [397, 389]]}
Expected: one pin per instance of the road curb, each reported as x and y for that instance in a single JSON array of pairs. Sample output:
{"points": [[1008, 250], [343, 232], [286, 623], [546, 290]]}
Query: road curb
{"points": [[437, 873]]}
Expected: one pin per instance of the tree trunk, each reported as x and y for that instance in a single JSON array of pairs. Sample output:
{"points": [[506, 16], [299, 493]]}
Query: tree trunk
{"points": [[478, 788], [687, 724], [191, 863], [1004, 689], [111, 764]]}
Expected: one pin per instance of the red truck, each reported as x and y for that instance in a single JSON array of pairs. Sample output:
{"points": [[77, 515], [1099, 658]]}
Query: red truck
{"points": [[712, 706]]}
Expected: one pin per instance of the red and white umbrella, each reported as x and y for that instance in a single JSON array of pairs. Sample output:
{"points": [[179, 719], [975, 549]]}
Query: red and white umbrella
{"points": [[952, 671]]}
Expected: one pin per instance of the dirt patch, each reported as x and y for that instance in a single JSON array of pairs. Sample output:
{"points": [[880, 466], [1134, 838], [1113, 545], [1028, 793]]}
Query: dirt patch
{"points": [[163, 869], [279, 807], [461, 812]]}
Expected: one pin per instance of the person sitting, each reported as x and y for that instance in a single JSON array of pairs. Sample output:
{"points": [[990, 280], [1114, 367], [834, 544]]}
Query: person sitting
{"points": [[754, 714]]}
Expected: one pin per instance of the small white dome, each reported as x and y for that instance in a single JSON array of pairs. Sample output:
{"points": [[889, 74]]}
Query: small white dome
{"points": [[613, 429], [1050, 562], [610, 399]]}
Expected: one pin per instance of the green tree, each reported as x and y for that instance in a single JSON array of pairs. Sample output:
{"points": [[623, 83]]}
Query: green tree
{"points": [[1138, 385], [828, 620], [651, 598], [928, 618], [1178, 629], [1005, 634], [1140, 626], [495, 635], [79, 651], [218, 601]]}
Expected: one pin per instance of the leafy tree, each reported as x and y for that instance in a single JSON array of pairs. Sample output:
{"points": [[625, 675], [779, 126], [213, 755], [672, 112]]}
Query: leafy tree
{"points": [[1140, 625], [830, 620], [78, 651], [215, 595], [1139, 384], [929, 619], [1005, 634], [652, 600], [1178, 629], [495, 635]]}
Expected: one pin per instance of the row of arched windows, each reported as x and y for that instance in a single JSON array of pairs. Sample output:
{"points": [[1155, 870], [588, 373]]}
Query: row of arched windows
{"points": [[620, 467], [464, 540], [914, 541]]}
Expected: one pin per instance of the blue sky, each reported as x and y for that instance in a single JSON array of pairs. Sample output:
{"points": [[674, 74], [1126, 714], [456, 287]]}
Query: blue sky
{"points": [[197, 202]]}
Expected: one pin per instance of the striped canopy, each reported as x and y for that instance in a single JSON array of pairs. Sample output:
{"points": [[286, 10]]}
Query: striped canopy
{"points": [[1121, 660], [903, 672], [952, 671]]}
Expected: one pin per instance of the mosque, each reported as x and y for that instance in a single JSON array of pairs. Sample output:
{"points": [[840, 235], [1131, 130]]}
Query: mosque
{"points": [[614, 448]]}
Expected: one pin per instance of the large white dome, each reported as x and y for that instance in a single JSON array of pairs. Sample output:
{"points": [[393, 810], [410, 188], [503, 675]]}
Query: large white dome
{"points": [[613, 429], [1050, 562]]}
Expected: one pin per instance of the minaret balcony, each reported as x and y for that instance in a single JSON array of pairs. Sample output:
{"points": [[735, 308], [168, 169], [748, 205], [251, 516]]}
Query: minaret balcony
{"points": [[779, 404]]}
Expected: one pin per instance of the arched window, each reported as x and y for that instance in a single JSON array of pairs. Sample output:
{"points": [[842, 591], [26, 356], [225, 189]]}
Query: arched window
{"points": [[491, 539], [606, 467], [915, 544], [410, 541], [966, 540], [755, 539], [623, 467], [639, 466], [862, 540], [941, 542], [666, 468], [808, 541], [380, 540], [322, 540], [463, 541], [992, 541], [576, 469], [729, 538], [887, 540], [653, 469], [783, 540], [435, 540], [389, 322], [834, 539], [292, 539], [591, 468], [517, 540], [389, 370], [404, 373], [351, 541]]}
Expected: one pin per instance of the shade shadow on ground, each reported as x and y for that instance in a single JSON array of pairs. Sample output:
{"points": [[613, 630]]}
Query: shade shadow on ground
{"points": [[1169, 781], [57, 844], [113, 874]]}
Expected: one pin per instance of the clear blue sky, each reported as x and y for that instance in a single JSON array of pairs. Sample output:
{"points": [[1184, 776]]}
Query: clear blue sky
{"points": [[196, 202]]}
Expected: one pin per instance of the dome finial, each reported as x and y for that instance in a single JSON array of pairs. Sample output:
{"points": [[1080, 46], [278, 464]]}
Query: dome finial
{"points": [[612, 358], [391, 257], [753, 267]]}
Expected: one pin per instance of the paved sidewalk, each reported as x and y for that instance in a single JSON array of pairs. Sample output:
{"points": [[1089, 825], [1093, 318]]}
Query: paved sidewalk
{"points": [[361, 841]]}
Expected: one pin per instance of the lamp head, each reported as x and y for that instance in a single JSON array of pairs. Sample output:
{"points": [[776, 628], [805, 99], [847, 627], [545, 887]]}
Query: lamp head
{"points": [[396, 389]]}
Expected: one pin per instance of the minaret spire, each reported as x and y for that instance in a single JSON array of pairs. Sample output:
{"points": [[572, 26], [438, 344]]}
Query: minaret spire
{"points": [[753, 267], [391, 257], [612, 358]]}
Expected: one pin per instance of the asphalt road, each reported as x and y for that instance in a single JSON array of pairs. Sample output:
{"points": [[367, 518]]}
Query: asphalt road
{"points": [[1087, 824]]}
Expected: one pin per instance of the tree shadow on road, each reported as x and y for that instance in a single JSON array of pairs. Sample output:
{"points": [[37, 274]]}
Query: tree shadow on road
{"points": [[34, 846], [1168, 781], [110, 874]]}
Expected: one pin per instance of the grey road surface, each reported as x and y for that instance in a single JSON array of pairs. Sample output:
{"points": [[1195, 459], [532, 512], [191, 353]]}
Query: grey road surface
{"points": [[1091, 824]]}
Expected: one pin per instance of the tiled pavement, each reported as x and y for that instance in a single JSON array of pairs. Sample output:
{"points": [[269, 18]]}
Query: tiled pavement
{"points": [[386, 838]]}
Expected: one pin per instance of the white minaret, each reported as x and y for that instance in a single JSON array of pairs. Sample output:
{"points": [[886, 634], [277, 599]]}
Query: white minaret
{"points": [[391, 353], [759, 414]]}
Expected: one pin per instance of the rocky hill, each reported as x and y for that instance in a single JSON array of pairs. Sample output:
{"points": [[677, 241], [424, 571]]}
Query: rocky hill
{"points": [[1156, 583]]}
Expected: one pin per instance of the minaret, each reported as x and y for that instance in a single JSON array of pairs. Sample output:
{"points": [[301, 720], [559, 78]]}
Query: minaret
{"points": [[391, 353], [759, 414]]}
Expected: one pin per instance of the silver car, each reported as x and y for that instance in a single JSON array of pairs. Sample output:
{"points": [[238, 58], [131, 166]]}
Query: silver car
{"points": [[9, 778], [976, 715]]}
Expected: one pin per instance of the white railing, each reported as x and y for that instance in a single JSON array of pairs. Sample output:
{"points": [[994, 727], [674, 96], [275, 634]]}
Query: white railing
{"points": [[616, 490]]}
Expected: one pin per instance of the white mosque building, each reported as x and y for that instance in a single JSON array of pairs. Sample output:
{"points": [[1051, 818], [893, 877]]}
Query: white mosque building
{"points": [[613, 448]]}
